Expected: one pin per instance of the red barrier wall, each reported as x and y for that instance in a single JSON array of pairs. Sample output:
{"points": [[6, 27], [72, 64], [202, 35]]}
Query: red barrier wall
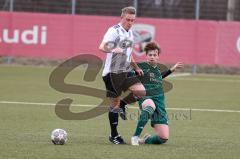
{"points": [[63, 36]]}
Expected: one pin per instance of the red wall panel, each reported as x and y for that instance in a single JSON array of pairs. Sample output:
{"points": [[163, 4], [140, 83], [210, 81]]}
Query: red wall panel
{"points": [[193, 42]]}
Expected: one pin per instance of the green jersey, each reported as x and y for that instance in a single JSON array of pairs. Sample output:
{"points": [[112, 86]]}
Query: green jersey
{"points": [[152, 80]]}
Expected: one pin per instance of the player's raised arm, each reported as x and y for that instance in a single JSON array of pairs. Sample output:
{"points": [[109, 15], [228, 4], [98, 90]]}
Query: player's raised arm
{"points": [[178, 65]]}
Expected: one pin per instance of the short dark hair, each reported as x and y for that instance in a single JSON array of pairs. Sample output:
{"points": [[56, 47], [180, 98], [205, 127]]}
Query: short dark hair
{"points": [[152, 46], [128, 10]]}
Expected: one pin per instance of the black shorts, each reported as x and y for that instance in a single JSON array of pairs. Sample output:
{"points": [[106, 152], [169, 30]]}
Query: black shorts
{"points": [[117, 83]]}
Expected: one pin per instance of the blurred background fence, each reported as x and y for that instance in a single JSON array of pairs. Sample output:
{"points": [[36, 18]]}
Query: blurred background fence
{"points": [[177, 9]]}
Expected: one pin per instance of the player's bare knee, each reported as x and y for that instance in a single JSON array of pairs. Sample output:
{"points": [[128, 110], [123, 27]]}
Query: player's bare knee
{"points": [[148, 102]]}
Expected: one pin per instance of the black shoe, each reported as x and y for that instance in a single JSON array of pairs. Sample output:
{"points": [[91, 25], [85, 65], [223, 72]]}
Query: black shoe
{"points": [[116, 140], [123, 113]]}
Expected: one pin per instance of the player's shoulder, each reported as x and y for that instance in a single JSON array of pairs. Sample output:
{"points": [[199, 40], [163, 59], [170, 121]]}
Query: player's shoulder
{"points": [[142, 64], [117, 26], [114, 28]]}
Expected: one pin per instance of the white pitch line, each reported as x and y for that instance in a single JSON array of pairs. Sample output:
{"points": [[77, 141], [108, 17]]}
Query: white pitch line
{"points": [[179, 75], [88, 105], [206, 110], [209, 80], [43, 104], [200, 79]]}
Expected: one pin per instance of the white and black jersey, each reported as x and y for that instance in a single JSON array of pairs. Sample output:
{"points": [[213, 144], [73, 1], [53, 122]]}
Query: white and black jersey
{"points": [[118, 62]]}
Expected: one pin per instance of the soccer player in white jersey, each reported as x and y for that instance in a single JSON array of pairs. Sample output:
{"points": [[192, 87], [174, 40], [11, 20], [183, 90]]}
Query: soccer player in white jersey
{"points": [[118, 44]]}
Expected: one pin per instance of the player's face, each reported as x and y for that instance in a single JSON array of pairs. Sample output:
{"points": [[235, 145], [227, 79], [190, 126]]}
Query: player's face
{"points": [[153, 57], [128, 20]]}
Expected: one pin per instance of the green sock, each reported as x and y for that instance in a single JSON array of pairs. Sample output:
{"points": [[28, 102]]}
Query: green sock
{"points": [[155, 140], [144, 116]]}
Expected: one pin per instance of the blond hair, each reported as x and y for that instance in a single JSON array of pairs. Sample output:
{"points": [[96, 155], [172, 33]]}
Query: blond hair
{"points": [[128, 10]]}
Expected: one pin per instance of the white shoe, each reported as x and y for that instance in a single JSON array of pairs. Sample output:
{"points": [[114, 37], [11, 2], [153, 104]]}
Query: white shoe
{"points": [[135, 140]]}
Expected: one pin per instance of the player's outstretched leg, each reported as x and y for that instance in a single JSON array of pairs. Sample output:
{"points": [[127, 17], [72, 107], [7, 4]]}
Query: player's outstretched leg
{"points": [[148, 108]]}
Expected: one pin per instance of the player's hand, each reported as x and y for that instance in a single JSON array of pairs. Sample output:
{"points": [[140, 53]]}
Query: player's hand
{"points": [[178, 65], [139, 72], [117, 50]]}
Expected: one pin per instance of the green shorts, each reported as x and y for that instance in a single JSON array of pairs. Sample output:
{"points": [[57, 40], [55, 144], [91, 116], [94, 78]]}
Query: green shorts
{"points": [[160, 114]]}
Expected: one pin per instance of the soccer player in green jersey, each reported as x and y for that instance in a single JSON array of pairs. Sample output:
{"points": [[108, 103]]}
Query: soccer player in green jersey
{"points": [[152, 106]]}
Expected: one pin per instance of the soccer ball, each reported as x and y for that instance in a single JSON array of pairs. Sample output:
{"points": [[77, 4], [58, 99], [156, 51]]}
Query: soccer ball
{"points": [[59, 137]]}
